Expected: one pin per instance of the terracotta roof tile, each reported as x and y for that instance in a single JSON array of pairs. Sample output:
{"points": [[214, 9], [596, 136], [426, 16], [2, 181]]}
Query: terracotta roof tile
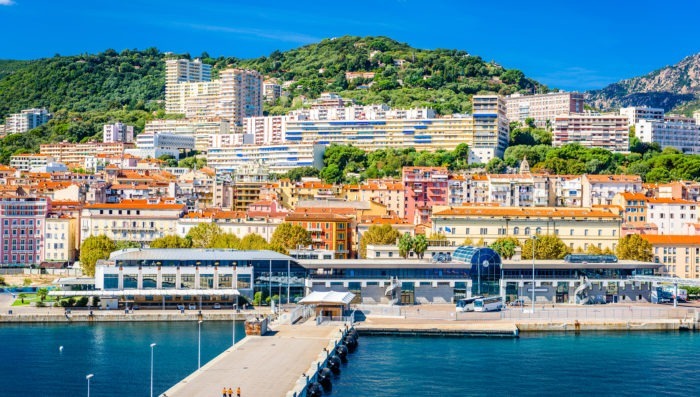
{"points": [[671, 239], [526, 211]]}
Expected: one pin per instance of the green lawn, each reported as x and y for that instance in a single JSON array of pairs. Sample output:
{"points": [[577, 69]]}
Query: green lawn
{"points": [[32, 298]]}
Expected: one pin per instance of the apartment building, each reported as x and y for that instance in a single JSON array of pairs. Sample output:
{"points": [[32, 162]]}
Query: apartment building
{"points": [[271, 91], [576, 227], [25, 162], [291, 193], [387, 192], [680, 135], [238, 223], [424, 188], [60, 237], [671, 216], [117, 132], [543, 107], [636, 114], [179, 71], [77, 153], [680, 254], [159, 144], [520, 190], [610, 132], [22, 222], [601, 189], [279, 158], [241, 95], [268, 130], [568, 190], [26, 120], [329, 231], [140, 221]]}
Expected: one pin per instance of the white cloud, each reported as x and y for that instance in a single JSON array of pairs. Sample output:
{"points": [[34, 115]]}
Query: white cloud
{"points": [[6, 2], [293, 37]]}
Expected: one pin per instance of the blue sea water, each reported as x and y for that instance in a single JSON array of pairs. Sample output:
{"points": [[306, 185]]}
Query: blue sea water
{"points": [[118, 354], [593, 364]]}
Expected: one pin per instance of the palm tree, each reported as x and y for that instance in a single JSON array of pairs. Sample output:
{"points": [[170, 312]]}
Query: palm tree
{"points": [[405, 245], [420, 245], [22, 296], [42, 293]]}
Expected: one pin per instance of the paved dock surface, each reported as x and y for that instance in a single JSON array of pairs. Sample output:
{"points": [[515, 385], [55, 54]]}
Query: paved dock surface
{"points": [[262, 366]]}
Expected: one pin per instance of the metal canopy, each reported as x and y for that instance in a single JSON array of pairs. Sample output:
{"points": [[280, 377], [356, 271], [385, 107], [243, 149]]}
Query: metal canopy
{"points": [[669, 280], [149, 292], [328, 298]]}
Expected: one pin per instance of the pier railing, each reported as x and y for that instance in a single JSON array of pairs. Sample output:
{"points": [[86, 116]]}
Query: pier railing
{"points": [[601, 313]]}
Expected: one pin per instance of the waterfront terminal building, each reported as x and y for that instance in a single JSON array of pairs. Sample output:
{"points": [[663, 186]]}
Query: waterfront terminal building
{"points": [[170, 277]]}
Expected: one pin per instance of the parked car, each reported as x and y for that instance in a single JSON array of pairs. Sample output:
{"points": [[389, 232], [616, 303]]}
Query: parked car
{"points": [[181, 307], [193, 306], [517, 302], [217, 305]]}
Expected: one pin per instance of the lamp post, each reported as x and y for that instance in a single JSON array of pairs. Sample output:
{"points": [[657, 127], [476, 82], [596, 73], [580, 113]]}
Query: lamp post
{"points": [[199, 345], [534, 242], [234, 285], [88, 377], [152, 346]]}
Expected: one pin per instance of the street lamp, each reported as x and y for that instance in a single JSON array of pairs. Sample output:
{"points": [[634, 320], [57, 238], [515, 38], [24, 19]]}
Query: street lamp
{"points": [[152, 346], [534, 242], [199, 345], [234, 286], [88, 381]]}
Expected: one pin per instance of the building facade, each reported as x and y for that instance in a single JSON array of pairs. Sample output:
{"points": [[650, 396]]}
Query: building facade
{"points": [[636, 114], [117, 132], [671, 216], [329, 231], [679, 254], [60, 237], [683, 136], [26, 120], [610, 132], [279, 158], [25, 162], [543, 107], [22, 223], [77, 153], [159, 144], [576, 227], [601, 189], [179, 71]]}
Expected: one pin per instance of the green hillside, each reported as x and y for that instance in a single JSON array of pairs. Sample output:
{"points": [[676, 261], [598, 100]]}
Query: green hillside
{"points": [[83, 91]]}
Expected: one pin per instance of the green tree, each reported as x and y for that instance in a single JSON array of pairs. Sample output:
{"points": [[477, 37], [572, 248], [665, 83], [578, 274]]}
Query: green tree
{"points": [[420, 245], [254, 242], [332, 174], [505, 246], [93, 249], [22, 296], [496, 166], [225, 241], [405, 245], [42, 293], [121, 245], [378, 235], [290, 236], [170, 241], [546, 247], [204, 234], [634, 247]]}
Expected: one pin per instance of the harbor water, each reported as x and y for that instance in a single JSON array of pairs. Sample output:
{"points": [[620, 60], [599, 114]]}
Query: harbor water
{"points": [[118, 354]]}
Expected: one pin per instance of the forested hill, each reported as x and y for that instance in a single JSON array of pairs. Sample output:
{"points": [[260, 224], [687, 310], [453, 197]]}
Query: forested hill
{"points": [[108, 80]]}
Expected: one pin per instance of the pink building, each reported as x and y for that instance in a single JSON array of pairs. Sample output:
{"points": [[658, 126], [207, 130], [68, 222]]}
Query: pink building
{"points": [[424, 187], [22, 229]]}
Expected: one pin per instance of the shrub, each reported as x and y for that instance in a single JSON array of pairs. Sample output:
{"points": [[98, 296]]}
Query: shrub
{"points": [[81, 302]]}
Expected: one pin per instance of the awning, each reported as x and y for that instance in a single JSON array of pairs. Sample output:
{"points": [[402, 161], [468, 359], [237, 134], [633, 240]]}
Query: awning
{"points": [[328, 298], [75, 281], [149, 292]]}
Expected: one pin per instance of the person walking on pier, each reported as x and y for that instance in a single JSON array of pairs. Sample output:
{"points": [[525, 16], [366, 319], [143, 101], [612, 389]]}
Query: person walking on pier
{"points": [[223, 393], [230, 392], [238, 391]]}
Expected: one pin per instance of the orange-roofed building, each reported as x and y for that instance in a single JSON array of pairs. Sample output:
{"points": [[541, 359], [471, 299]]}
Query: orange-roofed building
{"points": [[601, 189], [139, 221], [238, 223], [424, 187], [671, 215], [633, 207], [576, 227], [290, 193], [329, 230], [680, 254], [389, 192]]}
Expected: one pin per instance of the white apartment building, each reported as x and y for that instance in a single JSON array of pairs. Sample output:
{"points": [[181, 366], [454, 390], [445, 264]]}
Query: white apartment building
{"points": [[141, 221], [635, 114], [601, 189], [204, 142], [117, 132], [26, 120], [543, 107], [59, 238], [671, 216], [76, 153], [268, 130], [241, 95], [159, 144], [681, 135], [610, 132], [271, 91], [231, 222], [568, 190], [519, 190], [25, 162], [279, 158], [179, 71]]}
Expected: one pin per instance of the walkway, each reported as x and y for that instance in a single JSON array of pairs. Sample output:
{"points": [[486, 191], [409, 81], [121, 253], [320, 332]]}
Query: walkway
{"points": [[261, 366]]}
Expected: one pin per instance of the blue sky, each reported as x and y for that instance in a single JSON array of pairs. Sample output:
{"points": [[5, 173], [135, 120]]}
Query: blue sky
{"points": [[573, 45]]}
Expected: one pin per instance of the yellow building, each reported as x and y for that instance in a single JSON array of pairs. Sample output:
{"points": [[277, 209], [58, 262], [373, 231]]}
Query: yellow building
{"points": [[576, 227], [60, 237], [679, 254], [290, 193]]}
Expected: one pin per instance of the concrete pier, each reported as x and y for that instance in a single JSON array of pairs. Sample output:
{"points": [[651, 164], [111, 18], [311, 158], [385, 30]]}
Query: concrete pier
{"points": [[263, 366]]}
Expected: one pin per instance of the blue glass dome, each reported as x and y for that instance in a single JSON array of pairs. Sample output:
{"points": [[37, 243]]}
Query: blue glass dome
{"points": [[486, 258]]}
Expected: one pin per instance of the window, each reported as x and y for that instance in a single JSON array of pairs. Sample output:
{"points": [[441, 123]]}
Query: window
{"points": [[538, 231], [527, 231], [585, 232], [516, 230], [600, 232], [483, 231], [571, 232], [614, 232]]}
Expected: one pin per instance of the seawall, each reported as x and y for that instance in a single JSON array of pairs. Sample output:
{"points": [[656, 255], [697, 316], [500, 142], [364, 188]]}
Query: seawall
{"points": [[82, 317]]}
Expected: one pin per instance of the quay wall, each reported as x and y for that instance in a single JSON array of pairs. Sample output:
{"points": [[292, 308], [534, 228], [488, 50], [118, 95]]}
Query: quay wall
{"points": [[80, 317]]}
